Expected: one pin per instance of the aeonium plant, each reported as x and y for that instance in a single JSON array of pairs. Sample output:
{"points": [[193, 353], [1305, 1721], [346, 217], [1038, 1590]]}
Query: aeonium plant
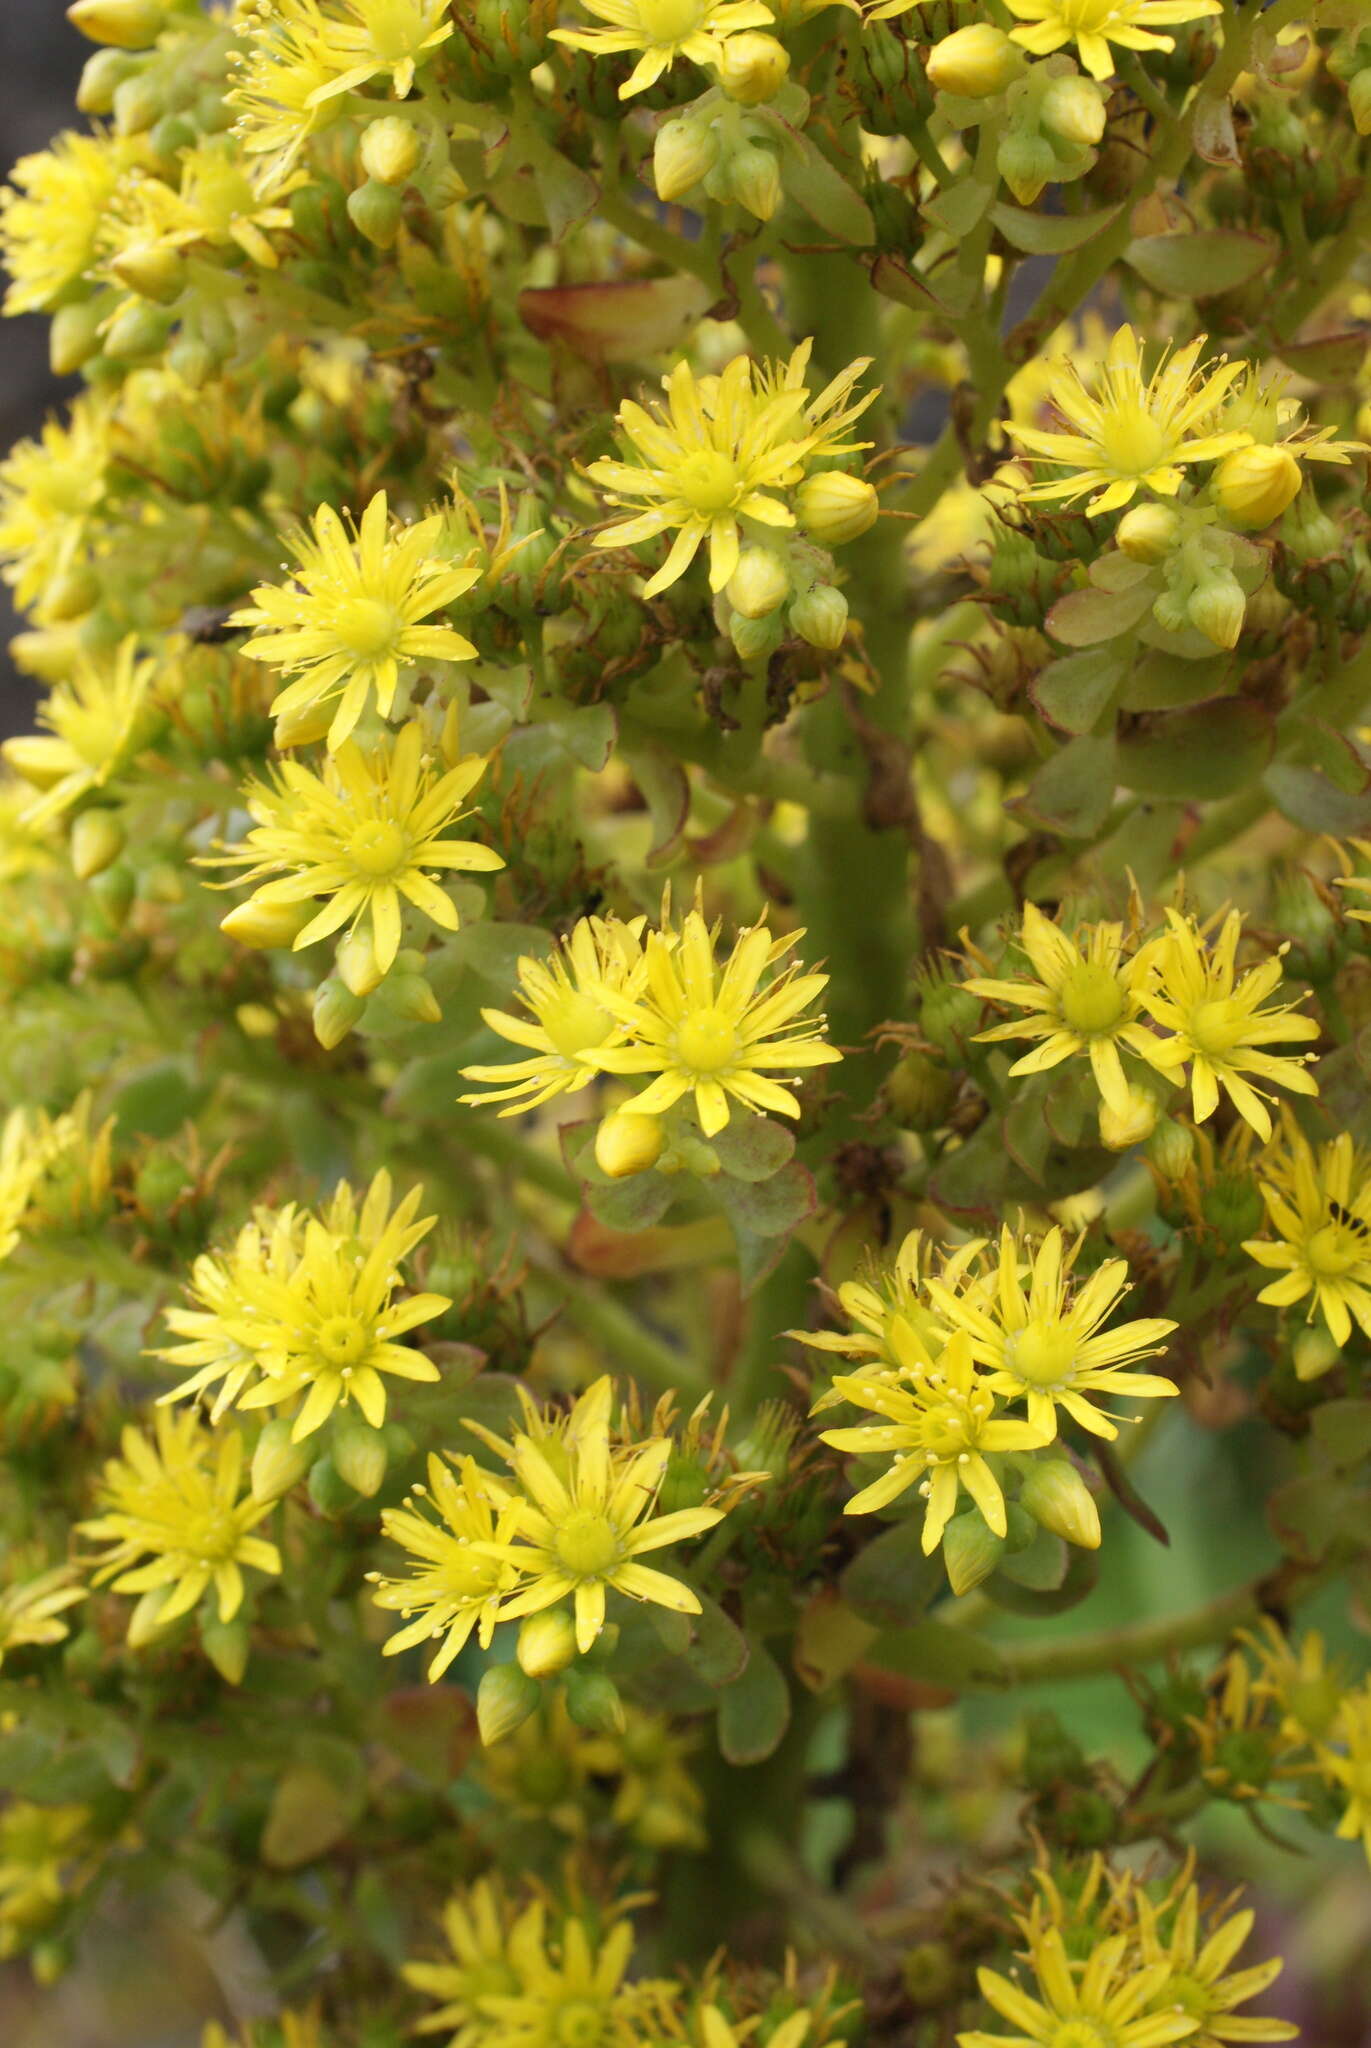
{"points": [[685, 1025]]}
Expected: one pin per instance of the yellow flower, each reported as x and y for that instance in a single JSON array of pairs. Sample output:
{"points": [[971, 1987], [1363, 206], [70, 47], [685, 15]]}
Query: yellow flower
{"points": [[1319, 1204], [716, 2032], [1131, 430], [56, 218], [1087, 998], [456, 1581], [1081, 2005], [712, 457], [370, 39], [480, 1925], [220, 200], [717, 1037], [173, 1503], [1219, 1022], [568, 1023], [1199, 1982], [939, 1422], [49, 489], [884, 1302], [284, 69], [305, 1306], [1092, 25], [663, 30], [352, 620], [40, 1847], [288, 2030], [1042, 1340], [98, 720], [26, 848], [363, 835], [54, 1171], [30, 1609], [659, 1801], [586, 1517], [1347, 1768]]}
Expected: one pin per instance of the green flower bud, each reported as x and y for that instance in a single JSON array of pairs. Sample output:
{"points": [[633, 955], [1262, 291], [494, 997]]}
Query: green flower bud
{"points": [[752, 67], [760, 584], [359, 1453], [835, 507], [930, 1975], [390, 150], [628, 1142], [820, 617], [101, 76], [920, 1091], [975, 63], [376, 211], [277, 1463], [97, 839], [1315, 1352], [139, 104], [112, 889], [74, 336], [1121, 1129], [1074, 108], [226, 1644], [1253, 486], [1087, 1820], [407, 999], [355, 959], [126, 24], [1216, 608], [170, 136], [1171, 1148], [1359, 100], [71, 595], [504, 1700], [1027, 163], [971, 1551], [754, 179], [328, 1489], [1056, 1496], [592, 1700], [1307, 532], [1232, 1207], [266, 926], [948, 1016], [547, 1643], [686, 151], [1148, 533], [136, 332], [336, 1012], [152, 269], [754, 638]]}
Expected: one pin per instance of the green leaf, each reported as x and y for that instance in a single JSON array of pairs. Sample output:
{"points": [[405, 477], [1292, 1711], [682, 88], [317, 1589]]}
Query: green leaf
{"points": [[1163, 680], [1312, 1514], [1200, 265], [1342, 1431], [821, 189], [493, 950], [1083, 618], [635, 1202], [717, 1651], [754, 1710], [1308, 799], [664, 789], [891, 1582], [957, 208], [156, 1102], [1050, 234], [1079, 1580], [763, 1214], [1072, 791], [1212, 750], [1040, 1565], [753, 1148], [314, 1805], [951, 296], [586, 732], [430, 1728], [938, 1654], [1073, 693]]}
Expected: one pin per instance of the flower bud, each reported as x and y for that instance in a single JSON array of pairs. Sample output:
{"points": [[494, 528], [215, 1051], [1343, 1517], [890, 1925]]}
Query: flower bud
{"points": [[1315, 1352], [547, 1644], [685, 151], [1148, 533], [760, 584], [504, 1700], [152, 269], [835, 507], [1253, 486], [1217, 607], [971, 1551], [375, 210], [139, 330], [920, 1091], [1122, 1128], [754, 638], [1359, 100], [356, 961], [125, 24], [29, 754], [139, 104], [592, 1700], [390, 150], [975, 63], [752, 67], [1171, 1148], [336, 1011], [277, 1463], [628, 1142], [754, 178], [1056, 1496], [226, 1644], [359, 1453], [820, 617], [103, 72], [266, 926], [97, 839], [1026, 163], [408, 999], [74, 336], [1074, 109]]}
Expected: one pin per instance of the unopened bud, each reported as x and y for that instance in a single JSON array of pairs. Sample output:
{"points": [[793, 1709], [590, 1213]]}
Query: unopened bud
{"points": [[835, 507], [547, 1644], [139, 330], [1171, 1148], [1253, 486], [376, 211], [592, 1700], [971, 1551], [266, 926], [391, 149], [71, 594], [1315, 1352], [1148, 533], [1217, 608], [74, 336], [226, 1644], [1359, 100], [359, 1453], [277, 1463], [409, 1000], [920, 1091], [356, 961], [336, 1011], [820, 617], [126, 24], [628, 1142], [1056, 1496], [754, 639], [1122, 1128], [30, 755], [103, 72], [754, 178], [975, 63], [760, 584], [97, 839], [1026, 163], [1074, 108], [139, 104], [504, 1700], [752, 67], [685, 152], [152, 269]]}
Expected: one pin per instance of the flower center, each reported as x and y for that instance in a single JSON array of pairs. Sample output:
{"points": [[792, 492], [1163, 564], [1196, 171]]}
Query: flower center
{"points": [[707, 1041], [465, 1576], [1333, 1251], [1082, 2033], [211, 1537], [1215, 1027], [341, 1340], [579, 2024], [365, 626], [947, 1434], [1042, 1353], [379, 847], [1090, 1000], [396, 29], [575, 1023], [67, 487], [670, 21], [1132, 440], [587, 1543], [707, 480], [1086, 14]]}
